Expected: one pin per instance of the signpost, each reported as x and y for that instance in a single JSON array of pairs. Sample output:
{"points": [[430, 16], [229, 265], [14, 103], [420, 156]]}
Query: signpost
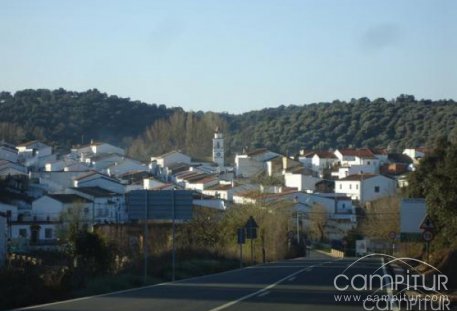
{"points": [[427, 235], [165, 205], [392, 237], [241, 232], [251, 233]]}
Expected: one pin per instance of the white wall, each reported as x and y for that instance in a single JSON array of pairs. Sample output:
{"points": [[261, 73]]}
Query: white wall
{"points": [[172, 158], [356, 169], [106, 148], [301, 182], [54, 166], [201, 186], [102, 183], [47, 207], [247, 167], [7, 154], [125, 166], [370, 189]]}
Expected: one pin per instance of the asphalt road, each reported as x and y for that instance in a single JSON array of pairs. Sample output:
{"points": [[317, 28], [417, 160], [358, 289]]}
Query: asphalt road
{"points": [[300, 284]]}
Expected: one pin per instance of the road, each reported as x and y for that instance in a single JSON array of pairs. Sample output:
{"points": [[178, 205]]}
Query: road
{"points": [[298, 284]]}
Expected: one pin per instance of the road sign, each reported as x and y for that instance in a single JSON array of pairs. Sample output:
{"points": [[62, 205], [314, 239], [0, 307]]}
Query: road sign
{"points": [[427, 224], [251, 228], [392, 235], [159, 205], [427, 236], [241, 235], [290, 235]]}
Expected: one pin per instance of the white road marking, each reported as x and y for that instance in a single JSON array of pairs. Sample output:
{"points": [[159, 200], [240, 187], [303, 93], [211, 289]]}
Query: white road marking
{"points": [[263, 294], [291, 279], [231, 303]]}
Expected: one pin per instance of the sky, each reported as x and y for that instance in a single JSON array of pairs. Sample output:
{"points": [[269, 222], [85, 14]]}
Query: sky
{"points": [[232, 55]]}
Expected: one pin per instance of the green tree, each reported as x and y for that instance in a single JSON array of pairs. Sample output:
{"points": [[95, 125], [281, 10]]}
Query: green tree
{"points": [[436, 181]]}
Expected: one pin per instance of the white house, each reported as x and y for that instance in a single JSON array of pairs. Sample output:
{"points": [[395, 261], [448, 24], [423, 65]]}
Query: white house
{"points": [[338, 206], [350, 157], [8, 152], [201, 183], [8, 168], [170, 158], [319, 160], [278, 165], [252, 163], [301, 178], [355, 169], [35, 154], [50, 207], [55, 182], [97, 179], [366, 187], [416, 154], [101, 147], [107, 206], [54, 166], [126, 165], [101, 161], [97, 148], [223, 191], [34, 148]]}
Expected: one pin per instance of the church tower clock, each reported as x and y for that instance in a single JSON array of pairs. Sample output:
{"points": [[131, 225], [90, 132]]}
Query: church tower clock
{"points": [[218, 148]]}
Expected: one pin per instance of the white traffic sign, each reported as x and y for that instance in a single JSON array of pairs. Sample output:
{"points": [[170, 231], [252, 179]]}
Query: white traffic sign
{"points": [[427, 223], [427, 236]]}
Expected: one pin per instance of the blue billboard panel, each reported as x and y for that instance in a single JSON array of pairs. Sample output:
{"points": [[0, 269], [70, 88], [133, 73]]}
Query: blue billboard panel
{"points": [[158, 205]]}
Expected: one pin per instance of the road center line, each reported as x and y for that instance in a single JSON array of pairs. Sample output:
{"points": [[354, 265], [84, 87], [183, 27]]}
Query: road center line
{"points": [[263, 294], [260, 291]]}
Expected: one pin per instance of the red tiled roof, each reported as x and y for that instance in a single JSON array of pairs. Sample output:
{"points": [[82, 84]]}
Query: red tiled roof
{"points": [[361, 153], [357, 177], [321, 154]]}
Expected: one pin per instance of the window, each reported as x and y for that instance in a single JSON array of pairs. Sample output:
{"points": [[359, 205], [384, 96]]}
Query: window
{"points": [[344, 205], [23, 233], [368, 162], [357, 187], [341, 186], [350, 186], [48, 233], [376, 189]]}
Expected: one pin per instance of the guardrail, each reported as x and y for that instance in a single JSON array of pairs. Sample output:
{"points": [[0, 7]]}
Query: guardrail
{"points": [[336, 253], [17, 258]]}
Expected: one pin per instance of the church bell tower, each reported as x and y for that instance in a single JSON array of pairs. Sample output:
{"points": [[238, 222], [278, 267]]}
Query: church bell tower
{"points": [[218, 148]]}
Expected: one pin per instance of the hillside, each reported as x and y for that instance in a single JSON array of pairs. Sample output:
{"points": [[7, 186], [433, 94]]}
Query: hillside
{"points": [[64, 118], [398, 123]]}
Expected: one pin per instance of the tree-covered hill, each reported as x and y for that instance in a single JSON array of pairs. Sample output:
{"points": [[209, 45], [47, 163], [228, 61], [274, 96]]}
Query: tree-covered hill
{"points": [[397, 123], [64, 118]]}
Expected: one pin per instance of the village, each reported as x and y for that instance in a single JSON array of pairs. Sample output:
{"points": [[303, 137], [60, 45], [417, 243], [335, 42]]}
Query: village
{"points": [[39, 186]]}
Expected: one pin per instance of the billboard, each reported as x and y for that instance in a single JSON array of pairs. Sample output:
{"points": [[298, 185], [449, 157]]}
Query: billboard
{"points": [[412, 214], [158, 205]]}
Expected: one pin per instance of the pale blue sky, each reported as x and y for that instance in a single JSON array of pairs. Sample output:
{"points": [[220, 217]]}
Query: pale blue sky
{"points": [[232, 55]]}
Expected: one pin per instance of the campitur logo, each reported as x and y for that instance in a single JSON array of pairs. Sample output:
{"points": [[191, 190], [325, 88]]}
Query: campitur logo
{"points": [[367, 282]]}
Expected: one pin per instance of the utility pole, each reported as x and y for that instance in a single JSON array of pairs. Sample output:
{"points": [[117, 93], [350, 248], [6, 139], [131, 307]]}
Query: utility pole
{"points": [[145, 235], [173, 256]]}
